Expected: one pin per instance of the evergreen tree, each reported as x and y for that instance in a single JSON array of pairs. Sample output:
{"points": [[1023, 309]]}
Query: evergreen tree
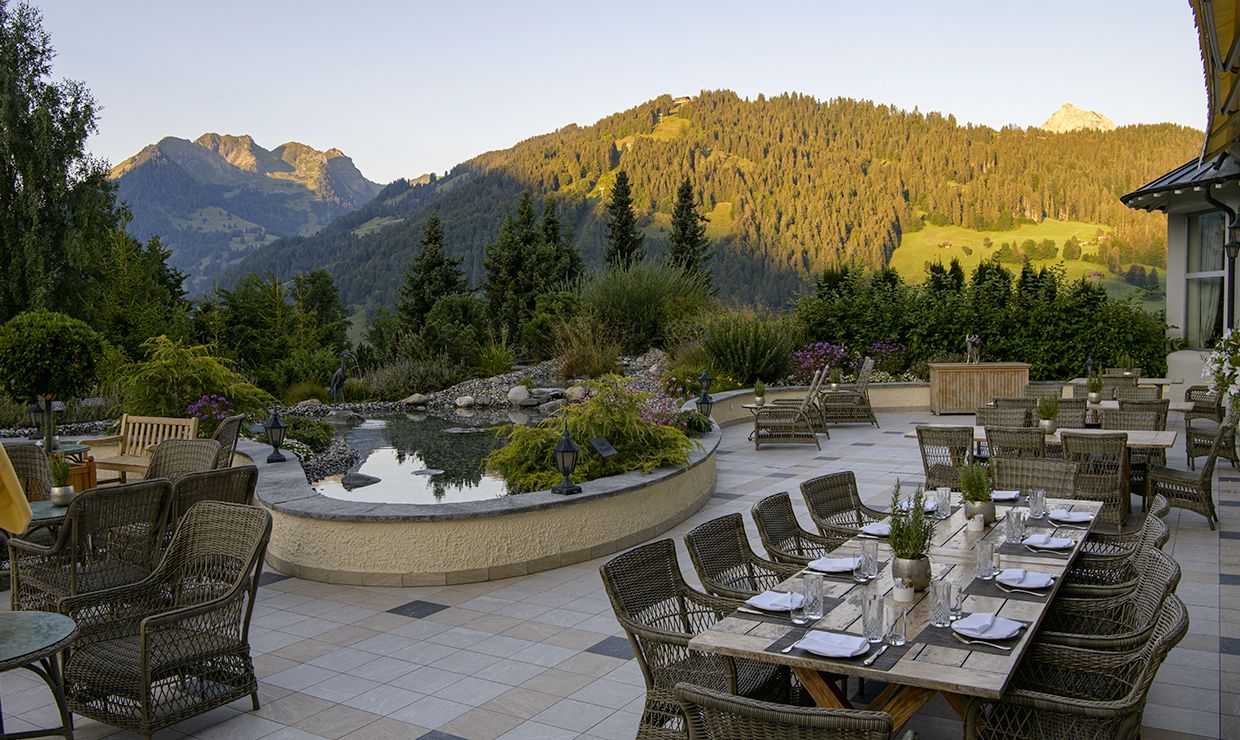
{"points": [[325, 322], [518, 267], [565, 259], [624, 242], [689, 247], [433, 275]]}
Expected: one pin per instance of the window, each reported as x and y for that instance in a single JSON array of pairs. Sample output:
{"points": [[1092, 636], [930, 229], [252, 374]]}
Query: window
{"points": [[1203, 314]]}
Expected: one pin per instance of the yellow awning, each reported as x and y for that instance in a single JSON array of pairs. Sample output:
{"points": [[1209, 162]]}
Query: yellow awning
{"points": [[14, 509], [1220, 56]]}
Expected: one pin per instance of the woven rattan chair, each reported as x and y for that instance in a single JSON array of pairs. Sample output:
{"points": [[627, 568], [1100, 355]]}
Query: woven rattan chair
{"points": [[1102, 470], [229, 485], [226, 434], [726, 564], [783, 537], [31, 467], [1056, 477], [1107, 566], [1071, 413], [1112, 383], [1062, 692], [1157, 406], [1199, 440], [174, 458], [1015, 442], [1193, 491], [790, 423], [1043, 390], [1138, 392], [1127, 372], [1114, 624], [1017, 402], [990, 416], [1146, 419], [712, 715], [110, 537], [944, 450], [1206, 404], [176, 644], [849, 404], [660, 613], [835, 504]]}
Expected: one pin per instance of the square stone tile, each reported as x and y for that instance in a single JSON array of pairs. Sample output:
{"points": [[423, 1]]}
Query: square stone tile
{"points": [[418, 609], [481, 724], [431, 712], [614, 647]]}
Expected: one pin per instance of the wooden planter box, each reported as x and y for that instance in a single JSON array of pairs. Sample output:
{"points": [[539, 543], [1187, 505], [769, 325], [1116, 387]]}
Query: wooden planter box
{"points": [[960, 388]]}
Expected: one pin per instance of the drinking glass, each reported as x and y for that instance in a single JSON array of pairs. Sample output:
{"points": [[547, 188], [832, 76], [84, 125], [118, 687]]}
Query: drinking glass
{"points": [[940, 603], [985, 559], [957, 608], [897, 624], [811, 590], [1037, 503], [1014, 530], [942, 502], [869, 551], [861, 572], [872, 615]]}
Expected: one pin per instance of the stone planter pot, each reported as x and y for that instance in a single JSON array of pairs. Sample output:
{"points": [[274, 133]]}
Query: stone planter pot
{"points": [[61, 495], [917, 571], [985, 509], [1048, 425], [1095, 397], [759, 400]]}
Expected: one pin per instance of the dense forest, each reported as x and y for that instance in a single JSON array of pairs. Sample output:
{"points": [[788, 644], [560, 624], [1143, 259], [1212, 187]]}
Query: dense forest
{"points": [[792, 186]]}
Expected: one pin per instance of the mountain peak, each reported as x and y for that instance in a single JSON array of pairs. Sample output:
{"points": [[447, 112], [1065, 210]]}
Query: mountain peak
{"points": [[1071, 118]]}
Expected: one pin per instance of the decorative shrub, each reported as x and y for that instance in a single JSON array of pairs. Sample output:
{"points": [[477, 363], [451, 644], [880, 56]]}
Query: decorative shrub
{"points": [[888, 355], [298, 392], [210, 410], [748, 347], [695, 423], [815, 356], [405, 376], [495, 358], [586, 349], [608, 411], [683, 382], [58, 467], [174, 375], [354, 389], [313, 433], [457, 326], [48, 355], [550, 310], [639, 305], [911, 532]]}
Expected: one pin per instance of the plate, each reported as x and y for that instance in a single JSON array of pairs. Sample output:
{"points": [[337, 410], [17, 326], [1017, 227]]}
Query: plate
{"points": [[1021, 578], [987, 626], [833, 644], [1004, 495], [775, 601], [834, 565], [877, 529]]}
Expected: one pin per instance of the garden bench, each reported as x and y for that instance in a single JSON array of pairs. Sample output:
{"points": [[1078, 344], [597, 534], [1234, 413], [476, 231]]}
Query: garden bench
{"points": [[137, 435]]}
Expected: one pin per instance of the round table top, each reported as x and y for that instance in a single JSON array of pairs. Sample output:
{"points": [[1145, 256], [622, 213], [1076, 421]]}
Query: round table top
{"points": [[28, 636]]}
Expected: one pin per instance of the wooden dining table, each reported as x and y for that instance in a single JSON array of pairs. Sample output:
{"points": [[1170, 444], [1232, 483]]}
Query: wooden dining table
{"points": [[932, 660], [1136, 438]]}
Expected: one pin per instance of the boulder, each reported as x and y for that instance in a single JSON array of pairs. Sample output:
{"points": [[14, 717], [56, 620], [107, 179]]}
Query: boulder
{"points": [[518, 394], [357, 480], [309, 402], [575, 393], [416, 399], [548, 394], [465, 402], [351, 418], [656, 369], [552, 406], [530, 402]]}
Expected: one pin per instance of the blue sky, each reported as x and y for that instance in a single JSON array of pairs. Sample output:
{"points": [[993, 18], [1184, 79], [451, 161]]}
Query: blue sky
{"points": [[411, 87]]}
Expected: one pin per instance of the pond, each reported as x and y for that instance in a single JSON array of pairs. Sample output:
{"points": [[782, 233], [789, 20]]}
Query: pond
{"points": [[420, 459]]}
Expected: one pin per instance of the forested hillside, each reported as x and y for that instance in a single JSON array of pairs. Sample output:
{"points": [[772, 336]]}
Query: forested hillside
{"points": [[791, 184]]}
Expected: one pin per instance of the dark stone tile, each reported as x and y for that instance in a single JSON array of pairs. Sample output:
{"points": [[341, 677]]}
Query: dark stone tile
{"points": [[271, 577], [1229, 535], [417, 609], [1227, 579], [826, 458], [727, 496], [862, 444], [1229, 503], [613, 647], [780, 475], [892, 431], [1229, 645], [439, 735]]}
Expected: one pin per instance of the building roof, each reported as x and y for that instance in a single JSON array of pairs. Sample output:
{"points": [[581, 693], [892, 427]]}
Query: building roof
{"points": [[1188, 177], [1219, 39]]}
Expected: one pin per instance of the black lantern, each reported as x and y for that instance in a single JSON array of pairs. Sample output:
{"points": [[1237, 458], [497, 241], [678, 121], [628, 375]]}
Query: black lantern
{"points": [[36, 419], [275, 437], [566, 462], [705, 402], [1232, 249], [1089, 367], [705, 381]]}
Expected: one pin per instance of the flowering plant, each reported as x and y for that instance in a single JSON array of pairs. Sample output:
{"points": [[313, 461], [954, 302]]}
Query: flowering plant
{"points": [[210, 409], [888, 355], [816, 355], [1223, 366], [663, 410]]}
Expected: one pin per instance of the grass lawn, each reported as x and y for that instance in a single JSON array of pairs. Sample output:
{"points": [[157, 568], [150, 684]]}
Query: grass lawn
{"points": [[375, 224]]}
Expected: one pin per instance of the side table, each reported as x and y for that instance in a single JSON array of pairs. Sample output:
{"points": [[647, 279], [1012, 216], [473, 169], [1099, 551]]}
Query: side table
{"points": [[35, 641]]}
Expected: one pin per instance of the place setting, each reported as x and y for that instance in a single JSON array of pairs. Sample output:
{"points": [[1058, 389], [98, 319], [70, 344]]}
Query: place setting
{"points": [[860, 568], [781, 607], [1018, 584], [979, 631], [1017, 540], [880, 647]]}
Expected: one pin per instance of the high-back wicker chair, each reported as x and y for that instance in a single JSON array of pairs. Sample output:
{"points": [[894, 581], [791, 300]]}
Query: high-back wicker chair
{"points": [[991, 416], [1102, 470], [1043, 390], [174, 458], [1107, 565], [660, 613], [1199, 440], [1056, 477], [110, 537], [849, 404], [1128, 372], [1112, 383], [1138, 392], [1193, 491], [790, 423], [1206, 404], [783, 537], [176, 644], [1061, 691], [944, 450], [1145, 419], [1119, 420], [226, 434], [1071, 413], [1017, 402], [712, 715], [835, 504], [1015, 442], [30, 464], [229, 485], [727, 565]]}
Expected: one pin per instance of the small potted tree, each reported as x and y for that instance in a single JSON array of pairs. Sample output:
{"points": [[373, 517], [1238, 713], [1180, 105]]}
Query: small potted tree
{"points": [[1127, 364], [62, 492], [975, 487], [759, 393], [836, 377], [1094, 386], [911, 534], [1048, 411]]}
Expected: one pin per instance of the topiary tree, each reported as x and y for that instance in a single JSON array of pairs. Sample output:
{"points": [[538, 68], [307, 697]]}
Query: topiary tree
{"points": [[47, 355]]}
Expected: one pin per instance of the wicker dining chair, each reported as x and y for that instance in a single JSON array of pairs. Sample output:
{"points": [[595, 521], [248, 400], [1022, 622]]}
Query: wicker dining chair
{"points": [[792, 423], [233, 485], [834, 504], [944, 450], [176, 644], [712, 715], [226, 434], [1138, 392], [1102, 470], [1158, 406], [174, 458], [849, 404], [30, 464], [1015, 442], [726, 565], [783, 537], [1206, 404], [1139, 458], [1112, 383], [1199, 440], [1056, 477], [110, 537], [660, 613], [1107, 565], [1114, 624], [1017, 402], [1189, 490], [1061, 692], [1039, 391], [990, 416], [1071, 413], [1125, 372]]}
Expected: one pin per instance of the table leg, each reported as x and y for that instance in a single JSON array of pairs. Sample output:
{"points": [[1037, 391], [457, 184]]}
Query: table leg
{"points": [[901, 702], [48, 669], [959, 702], [826, 694]]}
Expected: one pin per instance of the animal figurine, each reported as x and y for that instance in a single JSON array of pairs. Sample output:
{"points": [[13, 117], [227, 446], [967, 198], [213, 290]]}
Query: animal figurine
{"points": [[973, 349]]}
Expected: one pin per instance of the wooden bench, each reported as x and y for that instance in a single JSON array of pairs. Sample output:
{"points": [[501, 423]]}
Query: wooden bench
{"points": [[138, 434]]}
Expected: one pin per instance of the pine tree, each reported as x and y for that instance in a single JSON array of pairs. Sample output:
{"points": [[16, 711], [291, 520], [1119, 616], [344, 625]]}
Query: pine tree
{"points": [[624, 242], [566, 264], [433, 275], [689, 247], [518, 267]]}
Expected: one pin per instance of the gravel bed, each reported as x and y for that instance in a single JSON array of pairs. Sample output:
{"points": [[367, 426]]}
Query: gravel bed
{"points": [[80, 429], [338, 458]]}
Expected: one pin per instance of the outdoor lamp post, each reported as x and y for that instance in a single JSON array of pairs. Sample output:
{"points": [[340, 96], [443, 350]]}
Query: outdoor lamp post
{"points": [[275, 436], [1232, 248], [566, 462], [1089, 367], [36, 419], [705, 402]]}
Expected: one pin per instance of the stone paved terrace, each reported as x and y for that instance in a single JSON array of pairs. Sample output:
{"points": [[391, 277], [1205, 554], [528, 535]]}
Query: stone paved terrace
{"points": [[541, 656]]}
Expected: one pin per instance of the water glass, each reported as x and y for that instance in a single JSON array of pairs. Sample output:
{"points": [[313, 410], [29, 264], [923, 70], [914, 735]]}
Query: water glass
{"points": [[869, 549], [985, 559], [1037, 503], [942, 502], [957, 608], [812, 592], [941, 603], [897, 625], [872, 615], [1014, 529]]}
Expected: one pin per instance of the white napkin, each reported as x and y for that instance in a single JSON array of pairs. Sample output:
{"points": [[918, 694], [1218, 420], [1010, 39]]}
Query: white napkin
{"points": [[1004, 495], [927, 505], [1063, 515], [833, 644], [878, 529], [1048, 542], [775, 601], [834, 565], [987, 626], [1021, 578]]}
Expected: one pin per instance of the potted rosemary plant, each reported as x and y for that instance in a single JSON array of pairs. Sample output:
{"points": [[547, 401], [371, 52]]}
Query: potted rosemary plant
{"points": [[975, 490], [836, 377], [759, 392], [1048, 411], [1094, 386], [911, 534], [62, 493]]}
